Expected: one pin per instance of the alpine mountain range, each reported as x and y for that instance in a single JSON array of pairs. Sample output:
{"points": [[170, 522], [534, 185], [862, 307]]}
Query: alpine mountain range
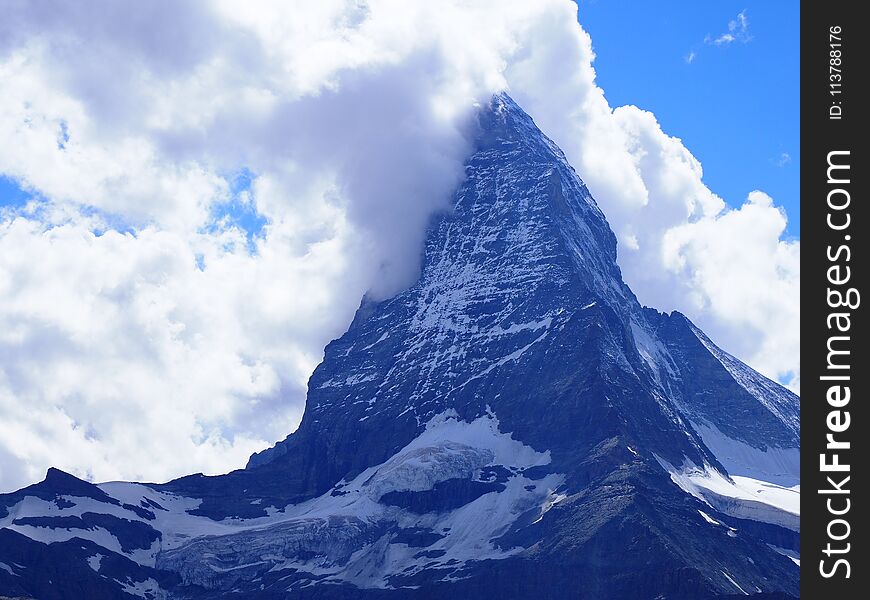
{"points": [[513, 425]]}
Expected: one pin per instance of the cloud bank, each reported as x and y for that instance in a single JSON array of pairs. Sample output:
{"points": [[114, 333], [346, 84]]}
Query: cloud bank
{"points": [[214, 185]]}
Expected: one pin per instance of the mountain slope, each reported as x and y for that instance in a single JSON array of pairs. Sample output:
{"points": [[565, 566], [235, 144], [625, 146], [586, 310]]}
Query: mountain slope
{"points": [[513, 424]]}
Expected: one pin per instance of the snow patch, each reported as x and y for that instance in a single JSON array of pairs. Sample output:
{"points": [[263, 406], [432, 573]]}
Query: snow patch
{"points": [[709, 519], [781, 466], [552, 500], [94, 561], [735, 584], [741, 497], [795, 557], [346, 535], [31, 506], [149, 589], [653, 352]]}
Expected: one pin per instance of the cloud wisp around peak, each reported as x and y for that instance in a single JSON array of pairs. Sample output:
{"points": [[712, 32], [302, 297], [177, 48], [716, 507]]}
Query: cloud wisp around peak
{"points": [[213, 186]]}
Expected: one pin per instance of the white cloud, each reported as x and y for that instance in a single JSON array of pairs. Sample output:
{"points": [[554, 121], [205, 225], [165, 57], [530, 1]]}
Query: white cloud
{"points": [[164, 345], [738, 31], [743, 278]]}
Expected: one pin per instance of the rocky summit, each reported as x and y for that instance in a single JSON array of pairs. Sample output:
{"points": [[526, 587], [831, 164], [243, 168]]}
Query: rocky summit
{"points": [[514, 425]]}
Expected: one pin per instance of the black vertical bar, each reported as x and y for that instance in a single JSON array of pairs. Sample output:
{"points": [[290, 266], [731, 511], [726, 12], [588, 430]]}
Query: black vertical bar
{"points": [[834, 223]]}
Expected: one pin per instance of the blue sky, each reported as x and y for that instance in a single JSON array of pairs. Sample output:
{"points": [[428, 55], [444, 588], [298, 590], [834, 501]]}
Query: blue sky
{"points": [[10, 193], [735, 105]]}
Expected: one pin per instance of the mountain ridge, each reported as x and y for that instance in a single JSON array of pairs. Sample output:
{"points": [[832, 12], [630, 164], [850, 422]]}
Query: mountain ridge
{"points": [[513, 422]]}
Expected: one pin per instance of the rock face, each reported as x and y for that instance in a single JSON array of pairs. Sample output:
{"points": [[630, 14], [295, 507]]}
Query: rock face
{"points": [[514, 425]]}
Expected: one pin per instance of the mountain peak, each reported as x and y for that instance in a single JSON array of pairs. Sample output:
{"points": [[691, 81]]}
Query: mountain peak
{"points": [[524, 249], [513, 413]]}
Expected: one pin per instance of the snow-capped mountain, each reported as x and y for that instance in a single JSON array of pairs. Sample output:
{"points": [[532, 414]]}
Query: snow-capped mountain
{"points": [[514, 425]]}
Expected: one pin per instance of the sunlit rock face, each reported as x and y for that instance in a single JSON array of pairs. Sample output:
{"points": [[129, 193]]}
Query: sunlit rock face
{"points": [[513, 425]]}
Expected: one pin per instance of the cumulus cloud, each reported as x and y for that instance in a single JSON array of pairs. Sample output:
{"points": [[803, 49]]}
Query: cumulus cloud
{"points": [[147, 331], [718, 261]]}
